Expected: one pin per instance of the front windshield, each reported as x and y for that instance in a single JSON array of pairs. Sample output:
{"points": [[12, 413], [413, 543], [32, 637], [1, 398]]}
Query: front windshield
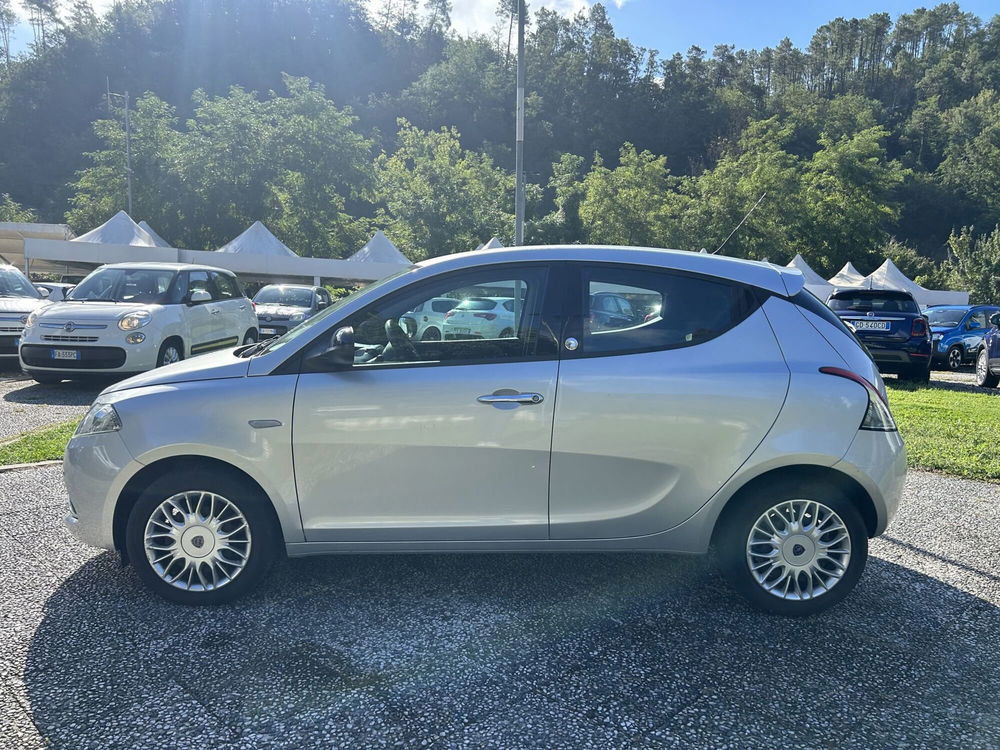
{"points": [[14, 284], [284, 295], [307, 325], [945, 318], [145, 285]]}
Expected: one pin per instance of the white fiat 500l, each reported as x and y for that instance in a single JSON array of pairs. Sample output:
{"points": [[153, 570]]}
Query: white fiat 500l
{"points": [[18, 299], [742, 414], [132, 317]]}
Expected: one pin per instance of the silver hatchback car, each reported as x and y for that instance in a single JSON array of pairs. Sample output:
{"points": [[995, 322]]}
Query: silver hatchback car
{"points": [[731, 409]]}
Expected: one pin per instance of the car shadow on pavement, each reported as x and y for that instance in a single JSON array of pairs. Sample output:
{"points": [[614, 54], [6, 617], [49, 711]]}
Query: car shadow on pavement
{"points": [[67, 393], [503, 651]]}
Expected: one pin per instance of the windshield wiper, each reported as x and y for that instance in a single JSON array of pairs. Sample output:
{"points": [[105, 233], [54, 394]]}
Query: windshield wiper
{"points": [[251, 349], [92, 299]]}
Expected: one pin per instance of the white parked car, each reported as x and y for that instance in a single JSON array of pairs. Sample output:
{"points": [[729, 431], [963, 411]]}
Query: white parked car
{"points": [[283, 306], [18, 299], [745, 417], [53, 291], [480, 318], [132, 317], [426, 320]]}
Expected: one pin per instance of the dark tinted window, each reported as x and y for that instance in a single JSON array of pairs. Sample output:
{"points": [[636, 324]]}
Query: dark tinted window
{"points": [[657, 309], [226, 285], [873, 301], [443, 305]]}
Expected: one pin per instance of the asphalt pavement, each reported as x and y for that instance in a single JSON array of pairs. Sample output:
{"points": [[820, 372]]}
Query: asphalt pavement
{"points": [[503, 651]]}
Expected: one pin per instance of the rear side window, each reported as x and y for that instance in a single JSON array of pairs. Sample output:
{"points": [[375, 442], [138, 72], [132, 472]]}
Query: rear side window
{"points": [[228, 289], [443, 305], [635, 310]]}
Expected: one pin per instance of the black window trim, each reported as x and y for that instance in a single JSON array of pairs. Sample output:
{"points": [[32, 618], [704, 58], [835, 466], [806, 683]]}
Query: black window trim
{"points": [[553, 302], [573, 325]]}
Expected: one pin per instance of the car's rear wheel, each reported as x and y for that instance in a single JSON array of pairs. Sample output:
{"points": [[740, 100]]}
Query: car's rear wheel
{"points": [[431, 334], [507, 333], [171, 350], [202, 537], [955, 359], [793, 548], [985, 378]]}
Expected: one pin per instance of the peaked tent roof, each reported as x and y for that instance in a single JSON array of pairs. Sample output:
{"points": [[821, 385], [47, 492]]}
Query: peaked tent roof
{"points": [[888, 276], [814, 282], [848, 276], [160, 242], [118, 230], [492, 244], [379, 249], [257, 240]]}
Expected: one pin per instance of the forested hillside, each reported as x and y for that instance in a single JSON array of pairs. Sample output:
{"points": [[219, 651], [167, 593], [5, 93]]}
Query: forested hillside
{"points": [[882, 137]]}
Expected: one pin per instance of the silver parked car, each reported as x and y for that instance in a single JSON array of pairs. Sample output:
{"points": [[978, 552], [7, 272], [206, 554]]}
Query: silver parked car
{"points": [[742, 415], [283, 306]]}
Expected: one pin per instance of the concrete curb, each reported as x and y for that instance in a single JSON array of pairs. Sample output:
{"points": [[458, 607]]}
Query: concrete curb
{"points": [[36, 465]]}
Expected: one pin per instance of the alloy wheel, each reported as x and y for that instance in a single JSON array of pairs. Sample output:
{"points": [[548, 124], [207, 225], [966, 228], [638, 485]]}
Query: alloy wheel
{"points": [[981, 366], [170, 355], [798, 549], [954, 358], [197, 541]]}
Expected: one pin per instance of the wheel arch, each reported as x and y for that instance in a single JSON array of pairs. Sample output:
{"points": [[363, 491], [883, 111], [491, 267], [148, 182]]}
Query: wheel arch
{"points": [[173, 336], [805, 473], [151, 472]]}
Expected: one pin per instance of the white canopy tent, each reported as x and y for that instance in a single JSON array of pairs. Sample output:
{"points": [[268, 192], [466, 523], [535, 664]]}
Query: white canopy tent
{"points": [[848, 276], [257, 240], [814, 282], [379, 249], [888, 276], [118, 230], [160, 242]]}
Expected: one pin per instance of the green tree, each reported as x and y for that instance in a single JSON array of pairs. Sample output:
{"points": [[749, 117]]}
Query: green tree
{"points": [[974, 264], [11, 210]]}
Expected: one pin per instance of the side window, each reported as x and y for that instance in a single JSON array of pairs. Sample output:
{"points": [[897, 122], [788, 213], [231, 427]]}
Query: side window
{"points": [[199, 281], [443, 306], [978, 319], [494, 316], [226, 286], [657, 310]]}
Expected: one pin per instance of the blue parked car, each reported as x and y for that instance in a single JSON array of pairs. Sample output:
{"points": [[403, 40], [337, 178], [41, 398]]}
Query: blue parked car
{"points": [[891, 325], [988, 358], [957, 332]]}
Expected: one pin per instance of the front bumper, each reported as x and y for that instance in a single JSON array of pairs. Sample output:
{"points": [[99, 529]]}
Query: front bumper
{"points": [[95, 469], [91, 357]]}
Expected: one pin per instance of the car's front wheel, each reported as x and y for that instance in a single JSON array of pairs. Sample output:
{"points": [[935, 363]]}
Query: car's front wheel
{"points": [[171, 350], [793, 548], [985, 378], [201, 537], [955, 358]]}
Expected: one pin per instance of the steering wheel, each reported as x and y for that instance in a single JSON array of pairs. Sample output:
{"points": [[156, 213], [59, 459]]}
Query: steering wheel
{"points": [[399, 348]]}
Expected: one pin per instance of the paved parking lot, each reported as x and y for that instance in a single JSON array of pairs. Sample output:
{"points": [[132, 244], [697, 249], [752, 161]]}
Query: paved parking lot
{"points": [[503, 651], [25, 405]]}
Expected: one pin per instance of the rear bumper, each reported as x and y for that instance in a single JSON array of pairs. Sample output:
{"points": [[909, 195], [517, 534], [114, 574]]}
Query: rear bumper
{"points": [[877, 461], [899, 357]]}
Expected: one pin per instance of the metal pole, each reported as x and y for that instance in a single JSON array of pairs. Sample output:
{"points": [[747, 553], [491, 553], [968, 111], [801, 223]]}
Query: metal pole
{"points": [[519, 142], [128, 154]]}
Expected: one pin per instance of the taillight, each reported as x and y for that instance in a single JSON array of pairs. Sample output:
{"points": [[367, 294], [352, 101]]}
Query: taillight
{"points": [[919, 327], [487, 316], [877, 415]]}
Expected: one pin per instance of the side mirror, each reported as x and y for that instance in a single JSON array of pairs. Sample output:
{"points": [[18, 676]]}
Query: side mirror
{"points": [[198, 296], [337, 354], [995, 319], [44, 291], [972, 324]]}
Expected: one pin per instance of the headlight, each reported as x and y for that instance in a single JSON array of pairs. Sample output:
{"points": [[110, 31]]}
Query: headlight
{"points": [[32, 318], [296, 317], [134, 320], [100, 418], [936, 336]]}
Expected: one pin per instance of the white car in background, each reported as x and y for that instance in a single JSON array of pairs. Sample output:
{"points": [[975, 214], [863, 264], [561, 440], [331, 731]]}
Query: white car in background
{"points": [[132, 317], [18, 299], [53, 291], [426, 320], [481, 318]]}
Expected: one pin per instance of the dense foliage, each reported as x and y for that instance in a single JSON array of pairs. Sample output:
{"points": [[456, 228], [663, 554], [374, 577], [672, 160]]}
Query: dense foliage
{"points": [[881, 138]]}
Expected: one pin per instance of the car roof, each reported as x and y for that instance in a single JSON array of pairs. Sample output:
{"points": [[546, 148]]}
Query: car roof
{"points": [[777, 279], [168, 267]]}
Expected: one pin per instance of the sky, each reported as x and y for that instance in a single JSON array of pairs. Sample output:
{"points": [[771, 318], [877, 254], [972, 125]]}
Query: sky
{"points": [[674, 25]]}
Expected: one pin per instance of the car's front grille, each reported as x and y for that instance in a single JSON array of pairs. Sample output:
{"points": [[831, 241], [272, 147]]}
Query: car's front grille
{"points": [[71, 339], [10, 329], [91, 357]]}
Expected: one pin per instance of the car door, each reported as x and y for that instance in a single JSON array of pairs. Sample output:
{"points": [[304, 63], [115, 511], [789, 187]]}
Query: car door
{"points": [[200, 319], [230, 311], [972, 330], [654, 416], [432, 440]]}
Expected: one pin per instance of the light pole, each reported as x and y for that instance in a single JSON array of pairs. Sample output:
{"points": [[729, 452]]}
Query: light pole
{"points": [[128, 143], [519, 135]]}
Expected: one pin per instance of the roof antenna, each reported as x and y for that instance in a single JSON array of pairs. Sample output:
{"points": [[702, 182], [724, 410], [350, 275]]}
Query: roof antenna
{"points": [[741, 223]]}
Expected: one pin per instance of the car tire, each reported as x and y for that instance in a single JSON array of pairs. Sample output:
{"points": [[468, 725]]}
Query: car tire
{"points": [[250, 337], [804, 579], [431, 334], [171, 351], [209, 510], [46, 379], [985, 378], [955, 358], [507, 333]]}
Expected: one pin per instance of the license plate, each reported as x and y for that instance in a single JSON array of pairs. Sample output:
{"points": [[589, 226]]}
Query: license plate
{"points": [[65, 354], [871, 325], [269, 330], [461, 330]]}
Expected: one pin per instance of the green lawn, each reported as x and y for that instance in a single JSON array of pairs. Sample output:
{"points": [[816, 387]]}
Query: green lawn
{"points": [[39, 445], [951, 431]]}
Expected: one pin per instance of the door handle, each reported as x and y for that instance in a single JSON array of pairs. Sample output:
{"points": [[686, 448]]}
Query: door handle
{"points": [[216, 311], [511, 398]]}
